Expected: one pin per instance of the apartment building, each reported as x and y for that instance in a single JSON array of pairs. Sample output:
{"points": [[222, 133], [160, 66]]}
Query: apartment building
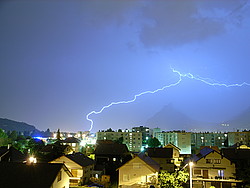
{"points": [[133, 140], [219, 139], [181, 139], [239, 137], [145, 133]]}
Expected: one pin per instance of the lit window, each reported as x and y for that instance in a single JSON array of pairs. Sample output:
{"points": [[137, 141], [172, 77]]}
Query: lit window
{"points": [[221, 173], [114, 159]]}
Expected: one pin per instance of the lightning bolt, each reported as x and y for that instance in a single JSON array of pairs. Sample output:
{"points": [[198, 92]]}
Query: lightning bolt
{"points": [[207, 81]]}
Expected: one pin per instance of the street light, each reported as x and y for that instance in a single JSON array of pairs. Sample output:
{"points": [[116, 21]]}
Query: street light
{"points": [[190, 168]]}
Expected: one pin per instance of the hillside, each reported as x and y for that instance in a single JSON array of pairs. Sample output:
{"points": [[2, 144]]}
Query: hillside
{"points": [[10, 125]]}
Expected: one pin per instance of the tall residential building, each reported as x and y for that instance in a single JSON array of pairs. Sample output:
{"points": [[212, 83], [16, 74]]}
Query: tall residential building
{"points": [[181, 139], [145, 133], [154, 131], [133, 140], [218, 139], [239, 137]]}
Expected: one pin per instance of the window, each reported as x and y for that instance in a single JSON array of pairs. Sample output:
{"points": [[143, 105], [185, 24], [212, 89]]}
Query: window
{"points": [[125, 177], [221, 173], [136, 165], [59, 176], [197, 172], [217, 161], [209, 161]]}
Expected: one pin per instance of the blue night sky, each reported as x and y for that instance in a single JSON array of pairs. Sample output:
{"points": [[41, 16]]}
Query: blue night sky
{"points": [[60, 60]]}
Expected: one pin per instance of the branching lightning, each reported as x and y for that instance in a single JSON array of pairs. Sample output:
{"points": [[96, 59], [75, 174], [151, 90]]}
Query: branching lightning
{"points": [[181, 76]]}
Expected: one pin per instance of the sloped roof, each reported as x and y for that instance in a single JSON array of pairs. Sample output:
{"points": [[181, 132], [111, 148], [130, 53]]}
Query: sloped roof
{"points": [[71, 140], [49, 147], [160, 152], [110, 148], [81, 159], [203, 152], [11, 154], [29, 176], [170, 145], [149, 161]]}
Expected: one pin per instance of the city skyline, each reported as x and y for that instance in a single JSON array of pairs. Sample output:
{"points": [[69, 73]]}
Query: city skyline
{"points": [[62, 60]]}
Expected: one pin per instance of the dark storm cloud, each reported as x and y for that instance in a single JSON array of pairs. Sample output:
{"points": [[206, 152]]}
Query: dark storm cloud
{"points": [[172, 23]]}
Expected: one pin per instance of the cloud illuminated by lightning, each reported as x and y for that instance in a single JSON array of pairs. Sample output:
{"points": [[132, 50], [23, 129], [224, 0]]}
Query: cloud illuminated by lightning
{"points": [[181, 76]]}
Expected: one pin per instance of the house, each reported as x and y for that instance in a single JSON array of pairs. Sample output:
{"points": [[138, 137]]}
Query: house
{"points": [[167, 157], [138, 172], [79, 165], [211, 168], [163, 156], [50, 148], [109, 156], [240, 155], [43, 175], [11, 154], [73, 142]]}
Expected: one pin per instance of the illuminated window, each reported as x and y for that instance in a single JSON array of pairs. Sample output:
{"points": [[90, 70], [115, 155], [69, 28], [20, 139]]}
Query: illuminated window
{"points": [[114, 159], [221, 173]]}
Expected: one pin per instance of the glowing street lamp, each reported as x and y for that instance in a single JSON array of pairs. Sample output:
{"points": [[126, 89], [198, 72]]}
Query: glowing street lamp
{"points": [[190, 168]]}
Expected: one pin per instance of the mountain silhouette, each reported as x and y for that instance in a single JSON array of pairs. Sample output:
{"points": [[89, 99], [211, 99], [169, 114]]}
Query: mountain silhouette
{"points": [[10, 125], [169, 118]]}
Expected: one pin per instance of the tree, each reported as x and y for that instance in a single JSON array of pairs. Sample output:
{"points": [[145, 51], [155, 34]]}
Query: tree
{"points": [[3, 138], [13, 136], [109, 130], [35, 145], [173, 180], [119, 140], [58, 135], [153, 142], [20, 143]]}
